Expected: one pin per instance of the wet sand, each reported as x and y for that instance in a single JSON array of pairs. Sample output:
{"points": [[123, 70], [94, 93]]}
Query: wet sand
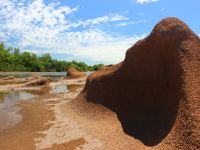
{"points": [[35, 115], [38, 117], [65, 121], [58, 122]]}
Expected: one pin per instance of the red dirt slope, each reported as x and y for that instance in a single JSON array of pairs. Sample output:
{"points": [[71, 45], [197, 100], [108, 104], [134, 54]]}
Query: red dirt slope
{"points": [[155, 91]]}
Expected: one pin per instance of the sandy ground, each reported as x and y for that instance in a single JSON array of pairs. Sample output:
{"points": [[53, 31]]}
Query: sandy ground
{"points": [[65, 122], [46, 126]]}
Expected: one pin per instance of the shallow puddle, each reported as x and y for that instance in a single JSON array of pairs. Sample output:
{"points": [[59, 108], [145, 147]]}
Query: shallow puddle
{"points": [[59, 89], [8, 110], [9, 115]]}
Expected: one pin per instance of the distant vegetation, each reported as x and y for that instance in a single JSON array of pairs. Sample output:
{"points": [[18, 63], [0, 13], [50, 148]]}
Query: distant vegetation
{"points": [[11, 59]]}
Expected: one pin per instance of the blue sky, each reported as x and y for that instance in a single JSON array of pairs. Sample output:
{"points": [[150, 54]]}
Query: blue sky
{"points": [[94, 31]]}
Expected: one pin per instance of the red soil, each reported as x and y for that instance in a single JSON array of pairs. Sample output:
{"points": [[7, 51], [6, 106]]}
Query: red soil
{"points": [[155, 91]]}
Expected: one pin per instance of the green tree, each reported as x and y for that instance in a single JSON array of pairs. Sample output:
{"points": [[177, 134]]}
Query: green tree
{"points": [[11, 59]]}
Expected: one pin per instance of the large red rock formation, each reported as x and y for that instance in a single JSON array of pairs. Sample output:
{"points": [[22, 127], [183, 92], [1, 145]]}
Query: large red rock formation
{"points": [[155, 91], [74, 73]]}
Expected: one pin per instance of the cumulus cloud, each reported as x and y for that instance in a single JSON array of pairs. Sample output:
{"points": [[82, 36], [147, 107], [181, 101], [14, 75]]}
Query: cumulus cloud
{"points": [[41, 28], [145, 1]]}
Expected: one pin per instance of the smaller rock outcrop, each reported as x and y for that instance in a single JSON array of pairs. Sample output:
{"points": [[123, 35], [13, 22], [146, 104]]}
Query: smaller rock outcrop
{"points": [[9, 78], [33, 77], [74, 73], [38, 82]]}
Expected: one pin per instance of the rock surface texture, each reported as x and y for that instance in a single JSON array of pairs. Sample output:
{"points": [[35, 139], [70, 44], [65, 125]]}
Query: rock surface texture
{"points": [[155, 91]]}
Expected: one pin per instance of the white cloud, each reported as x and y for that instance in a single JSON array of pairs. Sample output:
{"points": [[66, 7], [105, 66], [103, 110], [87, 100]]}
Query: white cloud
{"points": [[123, 24], [145, 1], [96, 21], [109, 50], [42, 28], [92, 44]]}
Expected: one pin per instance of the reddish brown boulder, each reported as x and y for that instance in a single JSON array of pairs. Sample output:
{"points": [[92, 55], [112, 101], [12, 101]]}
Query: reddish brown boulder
{"points": [[74, 73], [155, 91]]}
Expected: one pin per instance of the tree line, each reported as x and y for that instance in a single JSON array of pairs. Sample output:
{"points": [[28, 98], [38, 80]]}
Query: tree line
{"points": [[12, 59]]}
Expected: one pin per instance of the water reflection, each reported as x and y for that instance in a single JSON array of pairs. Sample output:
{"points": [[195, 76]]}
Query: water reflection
{"points": [[59, 89], [26, 74], [53, 76], [9, 115], [8, 110]]}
